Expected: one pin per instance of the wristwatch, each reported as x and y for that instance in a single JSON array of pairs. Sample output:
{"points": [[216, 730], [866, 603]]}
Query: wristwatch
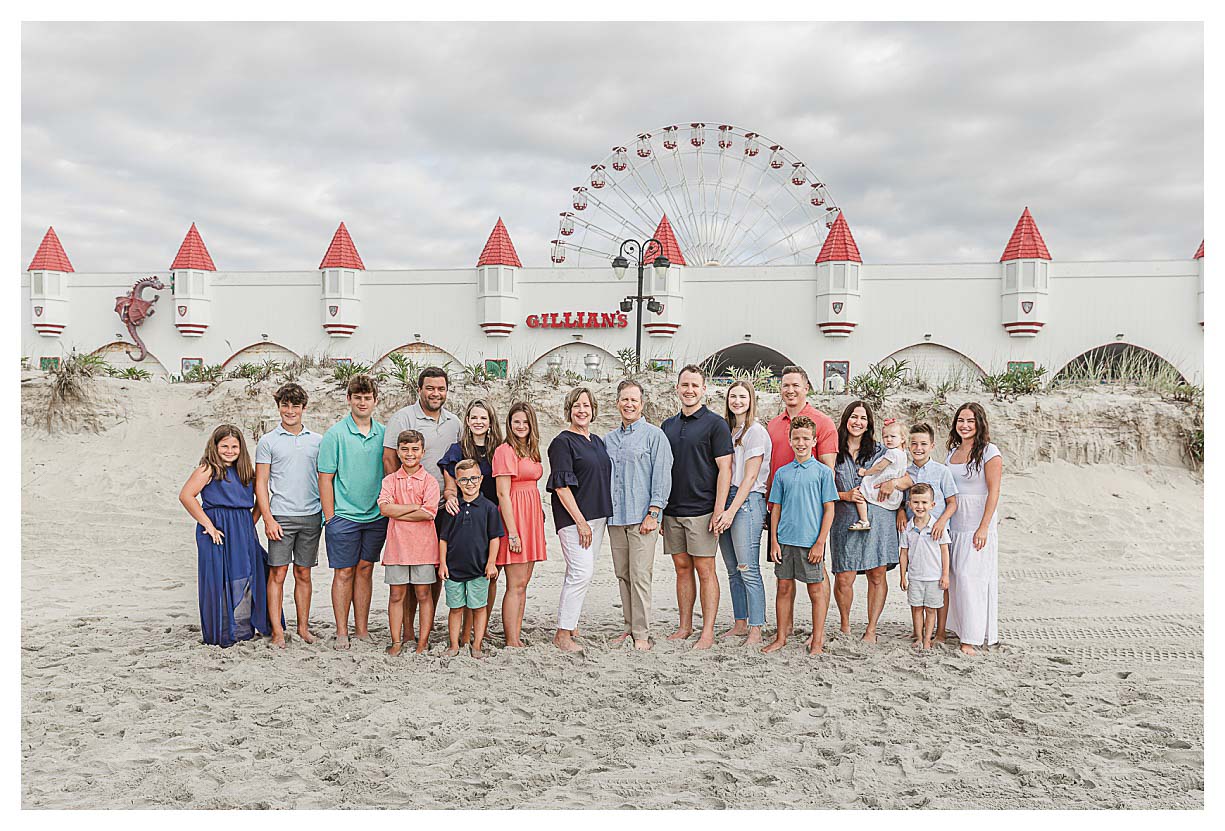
{"points": [[653, 513]]}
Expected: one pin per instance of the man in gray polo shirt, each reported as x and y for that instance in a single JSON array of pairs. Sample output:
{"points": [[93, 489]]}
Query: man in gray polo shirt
{"points": [[287, 495], [441, 430]]}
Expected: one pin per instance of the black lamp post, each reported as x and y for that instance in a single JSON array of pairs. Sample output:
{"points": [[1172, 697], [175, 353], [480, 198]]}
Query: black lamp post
{"points": [[637, 249]]}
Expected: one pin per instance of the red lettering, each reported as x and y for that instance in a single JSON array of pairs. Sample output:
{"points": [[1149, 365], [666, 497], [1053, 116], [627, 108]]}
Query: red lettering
{"points": [[533, 322], [593, 320], [608, 319], [553, 320], [622, 320], [567, 321]]}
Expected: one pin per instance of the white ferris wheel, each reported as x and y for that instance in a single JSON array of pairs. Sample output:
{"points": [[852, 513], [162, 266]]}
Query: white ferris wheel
{"points": [[732, 197]]}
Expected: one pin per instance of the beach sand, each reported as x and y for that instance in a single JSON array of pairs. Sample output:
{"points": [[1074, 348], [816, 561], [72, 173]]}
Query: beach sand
{"points": [[1094, 698]]}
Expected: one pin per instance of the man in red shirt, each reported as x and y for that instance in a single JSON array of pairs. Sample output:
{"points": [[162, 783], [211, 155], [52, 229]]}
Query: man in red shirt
{"points": [[793, 389]]}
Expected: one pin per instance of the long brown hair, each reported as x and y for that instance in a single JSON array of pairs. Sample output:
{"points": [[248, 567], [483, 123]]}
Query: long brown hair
{"points": [[528, 448], [867, 442], [217, 466], [492, 439], [750, 415], [982, 435]]}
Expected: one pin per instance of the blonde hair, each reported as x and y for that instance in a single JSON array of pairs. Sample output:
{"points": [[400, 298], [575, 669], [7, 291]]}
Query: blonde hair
{"points": [[895, 426], [750, 415], [217, 465], [572, 399]]}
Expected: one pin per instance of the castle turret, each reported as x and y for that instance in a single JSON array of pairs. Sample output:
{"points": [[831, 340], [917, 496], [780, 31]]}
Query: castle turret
{"points": [[49, 272], [838, 292], [497, 299], [1199, 261], [665, 287], [193, 291], [1025, 276], [340, 270]]}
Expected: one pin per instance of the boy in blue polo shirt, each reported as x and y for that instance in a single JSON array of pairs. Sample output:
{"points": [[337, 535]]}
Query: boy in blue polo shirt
{"points": [[287, 496], [467, 549], [805, 493], [924, 469], [350, 477]]}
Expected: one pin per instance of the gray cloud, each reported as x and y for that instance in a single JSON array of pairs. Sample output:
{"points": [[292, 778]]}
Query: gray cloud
{"points": [[931, 136]]}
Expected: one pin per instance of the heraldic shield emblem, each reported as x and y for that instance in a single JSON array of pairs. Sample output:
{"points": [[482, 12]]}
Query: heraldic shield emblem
{"points": [[332, 310], [182, 311], [837, 308], [1027, 306], [38, 311]]}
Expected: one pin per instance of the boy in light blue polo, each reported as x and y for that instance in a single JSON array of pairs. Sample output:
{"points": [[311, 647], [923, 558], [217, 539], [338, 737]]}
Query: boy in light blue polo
{"points": [[805, 493], [287, 496], [350, 477], [924, 469]]}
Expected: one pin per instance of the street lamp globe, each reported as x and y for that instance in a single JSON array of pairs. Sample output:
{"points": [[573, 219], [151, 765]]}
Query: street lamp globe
{"points": [[619, 265], [661, 265]]}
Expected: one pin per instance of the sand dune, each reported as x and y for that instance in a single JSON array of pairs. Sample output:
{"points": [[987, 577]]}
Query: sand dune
{"points": [[1094, 700]]}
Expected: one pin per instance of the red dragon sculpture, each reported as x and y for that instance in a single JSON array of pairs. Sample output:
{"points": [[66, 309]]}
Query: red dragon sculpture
{"points": [[132, 309]]}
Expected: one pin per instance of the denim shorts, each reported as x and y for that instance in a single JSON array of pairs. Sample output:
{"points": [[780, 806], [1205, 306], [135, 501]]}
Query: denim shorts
{"points": [[348, 541]]}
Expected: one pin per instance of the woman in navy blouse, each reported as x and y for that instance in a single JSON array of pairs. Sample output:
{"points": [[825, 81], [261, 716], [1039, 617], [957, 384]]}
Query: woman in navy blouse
{"points": [[580, 481]]}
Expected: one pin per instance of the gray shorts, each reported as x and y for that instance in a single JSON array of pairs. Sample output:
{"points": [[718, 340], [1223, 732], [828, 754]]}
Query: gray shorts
{"points": [[925, 593], [299, 542], [794, 565], [414, 575], [690, 535]]}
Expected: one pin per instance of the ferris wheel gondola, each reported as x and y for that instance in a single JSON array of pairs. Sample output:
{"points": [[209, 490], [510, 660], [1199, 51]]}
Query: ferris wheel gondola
{"points": [[728, 202]]}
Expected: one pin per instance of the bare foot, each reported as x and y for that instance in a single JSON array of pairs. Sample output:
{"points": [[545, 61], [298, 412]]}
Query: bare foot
{"points": [[566, 643], [516, 644], [940, 639], [815, 648], [305, 635], [927, 645], [620, 639], [643, 645], [774, 646], [421, 649], [754, 636], [452, 651], [738, 631], [278, 640], [342, 642], [966, 649], [869, 637], [705, 642], [476, 652], [680, 634], [917, 645], [844, 628], [395, 648], [363, 636]]}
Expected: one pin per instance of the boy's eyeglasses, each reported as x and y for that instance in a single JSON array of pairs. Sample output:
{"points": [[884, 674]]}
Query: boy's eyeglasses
{"points": [[468, 479]]}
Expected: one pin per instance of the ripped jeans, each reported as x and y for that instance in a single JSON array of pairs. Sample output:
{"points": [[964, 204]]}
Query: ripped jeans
{"points": [[741, 547]]}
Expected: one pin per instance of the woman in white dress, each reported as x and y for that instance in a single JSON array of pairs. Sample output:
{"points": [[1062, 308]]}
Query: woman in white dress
{"points": [[977, 467]]}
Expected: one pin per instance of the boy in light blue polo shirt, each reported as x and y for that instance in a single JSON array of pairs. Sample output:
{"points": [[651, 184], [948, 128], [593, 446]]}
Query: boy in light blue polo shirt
{"points": [[924, 469], [805, 493], [350, 477], [287, 495]]}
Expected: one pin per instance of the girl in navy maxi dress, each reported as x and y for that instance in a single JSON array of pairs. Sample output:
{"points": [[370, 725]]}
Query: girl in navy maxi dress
{"points": [[232, 565]]}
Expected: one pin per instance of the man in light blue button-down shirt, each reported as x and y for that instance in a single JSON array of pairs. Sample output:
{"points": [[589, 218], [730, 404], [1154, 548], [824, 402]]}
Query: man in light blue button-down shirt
{"points": [[641, 482]]}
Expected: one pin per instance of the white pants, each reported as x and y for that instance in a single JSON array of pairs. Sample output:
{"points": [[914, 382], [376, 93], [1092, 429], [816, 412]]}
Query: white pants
{"points": [[580, 568]]}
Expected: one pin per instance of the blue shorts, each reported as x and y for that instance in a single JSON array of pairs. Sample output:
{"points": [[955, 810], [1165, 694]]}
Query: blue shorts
{"points": [[348, 541]]}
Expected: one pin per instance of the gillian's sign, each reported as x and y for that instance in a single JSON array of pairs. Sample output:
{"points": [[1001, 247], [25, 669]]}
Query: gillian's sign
{"points": [[578, 320]]}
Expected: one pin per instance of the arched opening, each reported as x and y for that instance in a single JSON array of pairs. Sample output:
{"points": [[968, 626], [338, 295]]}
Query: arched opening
{"points": [[1120, 363], [116, 354], [584, 360], [751, 357], [422, 355], [260, 353], [930, 364]]}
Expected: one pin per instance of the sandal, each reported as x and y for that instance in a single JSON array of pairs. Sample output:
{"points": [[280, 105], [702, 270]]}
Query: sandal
{"points": [[861, 525]]}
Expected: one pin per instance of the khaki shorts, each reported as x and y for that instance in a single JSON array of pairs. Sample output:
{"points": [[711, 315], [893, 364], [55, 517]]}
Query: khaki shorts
{"points": [[690, 535]]}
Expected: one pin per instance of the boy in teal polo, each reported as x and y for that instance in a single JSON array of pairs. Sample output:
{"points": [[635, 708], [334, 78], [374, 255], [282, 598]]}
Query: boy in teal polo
{"points": [[350, 476], [805, 493]]}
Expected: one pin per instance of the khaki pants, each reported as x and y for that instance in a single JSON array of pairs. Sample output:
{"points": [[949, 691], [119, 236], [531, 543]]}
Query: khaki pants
{"points": [[633, 557]]}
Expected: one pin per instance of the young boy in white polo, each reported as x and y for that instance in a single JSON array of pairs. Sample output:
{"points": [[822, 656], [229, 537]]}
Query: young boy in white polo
{"points": [[924, 565], [287, 496], [805, 493], [468, 549]]}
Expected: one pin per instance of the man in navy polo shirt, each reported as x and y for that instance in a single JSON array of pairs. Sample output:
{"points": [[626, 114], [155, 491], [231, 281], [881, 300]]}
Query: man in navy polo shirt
{"points": [[701, 477]]}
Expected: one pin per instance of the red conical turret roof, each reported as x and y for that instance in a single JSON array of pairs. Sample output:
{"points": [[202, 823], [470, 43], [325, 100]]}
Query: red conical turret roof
{"points": [[499, 250], [672, 249], [1026, 242], [839, 245], [51, 257], [1199, 255], [192, 253], [342, 253]]}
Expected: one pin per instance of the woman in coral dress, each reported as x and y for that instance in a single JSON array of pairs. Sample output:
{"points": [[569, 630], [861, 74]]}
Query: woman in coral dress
{"points": [[517, 469]]}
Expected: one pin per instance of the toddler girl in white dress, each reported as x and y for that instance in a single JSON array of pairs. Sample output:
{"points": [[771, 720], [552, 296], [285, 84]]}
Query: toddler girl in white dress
{"points": [[889, 466]]}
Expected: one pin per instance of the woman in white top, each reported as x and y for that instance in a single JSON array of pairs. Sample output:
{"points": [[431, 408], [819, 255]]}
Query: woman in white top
{"points": [[740, 526], [974, 559]]}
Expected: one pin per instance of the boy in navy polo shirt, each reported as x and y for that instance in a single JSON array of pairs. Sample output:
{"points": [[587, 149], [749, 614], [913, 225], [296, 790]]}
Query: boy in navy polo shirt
{"points": [[805, 493], [467, 548]]}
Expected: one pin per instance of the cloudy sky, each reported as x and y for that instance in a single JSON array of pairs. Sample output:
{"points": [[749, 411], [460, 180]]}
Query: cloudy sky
{"points": [[932, 136]]}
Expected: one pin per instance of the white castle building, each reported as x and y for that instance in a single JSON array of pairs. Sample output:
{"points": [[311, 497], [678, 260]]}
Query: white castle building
{"points": [[835, 315]]}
